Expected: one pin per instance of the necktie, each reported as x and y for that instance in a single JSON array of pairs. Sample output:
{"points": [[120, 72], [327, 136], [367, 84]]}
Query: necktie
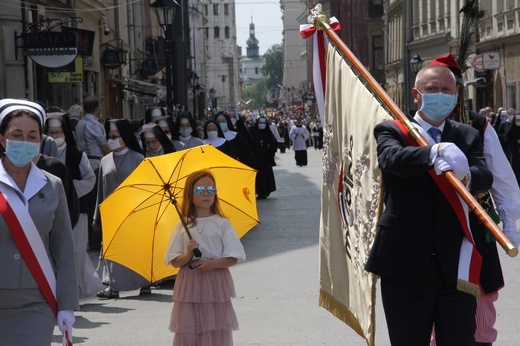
{"points": [[435, 133]]}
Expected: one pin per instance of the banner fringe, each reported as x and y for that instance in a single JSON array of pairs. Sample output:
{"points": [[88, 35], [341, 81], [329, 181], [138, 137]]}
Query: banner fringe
{"points": [[339, 311], [469, 288]]}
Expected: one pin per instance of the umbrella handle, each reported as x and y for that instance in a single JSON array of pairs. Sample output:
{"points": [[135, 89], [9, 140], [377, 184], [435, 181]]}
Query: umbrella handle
{"points": [[196, 252]]}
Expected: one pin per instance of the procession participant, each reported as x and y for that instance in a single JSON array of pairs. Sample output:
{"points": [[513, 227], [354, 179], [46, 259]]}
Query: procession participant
{"points": [[114, 169], [213, 135], [264, 145], [506, 195], [421, 281], [240, 138], [38, 276], [155, 141], [84, 179], [168, 127], [299, 136], [91, 138], [185, 131]]}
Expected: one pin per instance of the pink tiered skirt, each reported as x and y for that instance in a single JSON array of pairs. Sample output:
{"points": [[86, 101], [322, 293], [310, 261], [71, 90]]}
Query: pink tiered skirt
{"points": [[202, 311]]}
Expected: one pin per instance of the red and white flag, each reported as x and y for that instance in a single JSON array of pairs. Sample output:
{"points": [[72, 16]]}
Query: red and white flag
{"points": [[319, 52]]}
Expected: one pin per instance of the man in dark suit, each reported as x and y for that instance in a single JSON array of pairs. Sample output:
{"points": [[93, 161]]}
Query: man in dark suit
{"points": [[418, 244]]}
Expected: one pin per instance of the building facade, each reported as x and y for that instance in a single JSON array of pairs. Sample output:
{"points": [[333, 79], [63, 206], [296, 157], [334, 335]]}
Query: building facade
{"points": [[429, 28], [222, 54]]}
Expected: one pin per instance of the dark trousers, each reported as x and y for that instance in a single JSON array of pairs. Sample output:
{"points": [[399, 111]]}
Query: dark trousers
{"points": [[301, 157], [412, 308]]}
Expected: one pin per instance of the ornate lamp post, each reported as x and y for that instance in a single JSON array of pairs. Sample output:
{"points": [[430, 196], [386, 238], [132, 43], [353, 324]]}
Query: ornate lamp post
{"points": [[416, 63], [165, 11], [194, 87], [212, 94]]}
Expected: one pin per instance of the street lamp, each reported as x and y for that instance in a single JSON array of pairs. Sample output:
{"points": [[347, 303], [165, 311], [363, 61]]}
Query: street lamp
{"points": [[195, 87], [165, 11], [416, 63], [212, 94]]}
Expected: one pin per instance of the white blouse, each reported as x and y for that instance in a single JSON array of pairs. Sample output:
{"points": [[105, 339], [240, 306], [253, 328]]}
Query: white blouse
{"points": [[216, 237]]}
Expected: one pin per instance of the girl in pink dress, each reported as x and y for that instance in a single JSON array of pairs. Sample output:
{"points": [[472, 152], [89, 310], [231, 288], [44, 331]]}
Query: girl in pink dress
{"points": [[202, 312]]}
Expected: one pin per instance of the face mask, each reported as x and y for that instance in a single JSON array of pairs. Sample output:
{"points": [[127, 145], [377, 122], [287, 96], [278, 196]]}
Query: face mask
{"points": [[233, 121], [223, 126], [186, 132], [437, 106], [212, 134], [59, 141], [114, 144], [20, 153], [261, 126]]}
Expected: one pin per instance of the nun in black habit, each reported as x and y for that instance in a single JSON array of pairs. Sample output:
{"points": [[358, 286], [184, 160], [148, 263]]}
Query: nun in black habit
{"points": [[240, 138], [213, 135], [265, 147]]}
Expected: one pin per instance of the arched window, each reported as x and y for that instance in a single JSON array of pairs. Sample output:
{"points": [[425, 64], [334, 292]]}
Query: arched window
{"points": [[216, 32]]}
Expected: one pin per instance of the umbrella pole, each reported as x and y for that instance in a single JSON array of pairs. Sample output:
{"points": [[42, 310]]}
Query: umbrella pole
{"points": [[196, 252]]}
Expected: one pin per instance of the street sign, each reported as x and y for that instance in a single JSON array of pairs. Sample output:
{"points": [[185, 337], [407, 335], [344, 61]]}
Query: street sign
{"points": [[478, 64], [491, 60]]}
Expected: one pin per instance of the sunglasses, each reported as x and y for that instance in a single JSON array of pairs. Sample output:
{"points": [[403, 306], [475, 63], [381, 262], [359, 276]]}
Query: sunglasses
{"points": [[199, 190]]}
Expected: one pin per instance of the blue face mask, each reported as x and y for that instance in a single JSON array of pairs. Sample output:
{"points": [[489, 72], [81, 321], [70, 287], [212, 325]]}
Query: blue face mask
{"points": [[437, 106], [223, 126], [20, 153]]}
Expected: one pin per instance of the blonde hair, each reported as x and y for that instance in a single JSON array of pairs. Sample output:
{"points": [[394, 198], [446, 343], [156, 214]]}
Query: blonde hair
{"points": [[188, 208]]}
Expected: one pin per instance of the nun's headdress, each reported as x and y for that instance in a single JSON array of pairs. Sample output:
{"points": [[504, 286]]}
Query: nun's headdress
{"points": [[9, 105]]}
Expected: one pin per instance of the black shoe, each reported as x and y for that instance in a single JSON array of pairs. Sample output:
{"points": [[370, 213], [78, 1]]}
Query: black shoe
{"points": [[145, 290], [107, 293]]}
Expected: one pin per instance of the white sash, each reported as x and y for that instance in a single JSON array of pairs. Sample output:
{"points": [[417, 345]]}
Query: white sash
{"points": [[30, 231]]}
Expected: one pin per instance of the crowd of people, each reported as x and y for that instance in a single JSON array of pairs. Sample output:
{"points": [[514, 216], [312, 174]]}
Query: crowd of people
{"points": [[59, 165]]}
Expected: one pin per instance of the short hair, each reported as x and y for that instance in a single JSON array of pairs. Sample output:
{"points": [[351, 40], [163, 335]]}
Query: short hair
{"points": [[75, 110], [419, 79], [90, 104]]}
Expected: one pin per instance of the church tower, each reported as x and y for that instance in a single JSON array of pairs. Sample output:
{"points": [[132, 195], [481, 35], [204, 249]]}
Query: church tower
{"points": [[252, 42]]}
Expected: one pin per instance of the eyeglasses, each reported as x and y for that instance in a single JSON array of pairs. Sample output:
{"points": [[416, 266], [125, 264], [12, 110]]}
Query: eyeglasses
{"points": [[199, 190]]}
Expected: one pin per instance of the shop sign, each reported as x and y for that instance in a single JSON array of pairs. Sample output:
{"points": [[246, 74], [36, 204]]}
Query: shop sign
{"points": [[85, 40], [491, 60], [71, 73], [51, 49], [146, 100]]}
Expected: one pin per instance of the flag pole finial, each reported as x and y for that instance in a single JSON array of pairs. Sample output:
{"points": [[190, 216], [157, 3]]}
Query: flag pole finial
{"points": [[318, 18]]}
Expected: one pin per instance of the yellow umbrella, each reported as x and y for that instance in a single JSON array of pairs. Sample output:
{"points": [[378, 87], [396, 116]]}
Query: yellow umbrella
{"points": [[139, 216]]}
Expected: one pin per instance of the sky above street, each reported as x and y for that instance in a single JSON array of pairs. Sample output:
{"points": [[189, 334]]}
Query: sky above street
{"points": [[267, 17]]}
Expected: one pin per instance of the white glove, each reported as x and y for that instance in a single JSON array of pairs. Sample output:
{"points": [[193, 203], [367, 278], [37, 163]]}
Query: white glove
{"points": [[441, 165], [65, 321], [510, 231], [456, 158], [513, 236]]}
